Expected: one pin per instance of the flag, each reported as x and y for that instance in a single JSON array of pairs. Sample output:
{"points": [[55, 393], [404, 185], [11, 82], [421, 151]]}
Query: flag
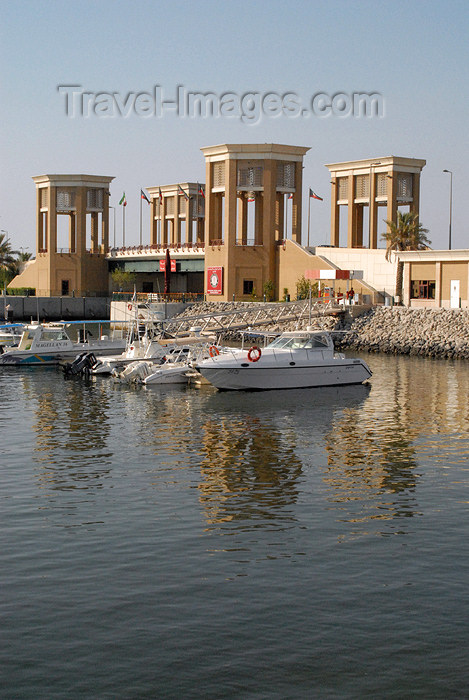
{"points": [[181, 191], [290, 196], [314, 195], [160, 195], [123, 200], [200, 190], [144, 196]]}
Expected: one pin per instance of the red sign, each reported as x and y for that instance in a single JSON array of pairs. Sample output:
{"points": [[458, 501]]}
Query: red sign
{"points": [[163, 262], [214, 280]]}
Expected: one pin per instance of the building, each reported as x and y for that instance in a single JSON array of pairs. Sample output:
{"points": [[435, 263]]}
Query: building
{"points": [[71, 259], [436, 278], [239, 235]]}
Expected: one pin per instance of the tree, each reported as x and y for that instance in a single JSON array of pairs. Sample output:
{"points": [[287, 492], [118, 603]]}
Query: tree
{"points": [[7, 259], [123, 281], [303, 286], [407, 233], [269, 290]]}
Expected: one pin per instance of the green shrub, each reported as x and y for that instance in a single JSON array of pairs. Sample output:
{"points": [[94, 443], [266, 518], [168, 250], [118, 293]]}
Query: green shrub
{"points": [[22, 291]]}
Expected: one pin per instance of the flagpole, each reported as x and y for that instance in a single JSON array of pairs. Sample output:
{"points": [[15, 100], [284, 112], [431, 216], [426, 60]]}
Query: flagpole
{"points": [[140, 217], [197, 215], [123, 225], [309, 213]]}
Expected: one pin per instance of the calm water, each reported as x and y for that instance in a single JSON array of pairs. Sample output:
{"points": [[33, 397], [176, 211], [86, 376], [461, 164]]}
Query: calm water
{"points": [[184, 543]]}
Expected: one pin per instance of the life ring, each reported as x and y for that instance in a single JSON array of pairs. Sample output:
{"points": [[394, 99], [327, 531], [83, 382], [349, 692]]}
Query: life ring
{"points": [[254, 354], [130, 307], [213, 351]]}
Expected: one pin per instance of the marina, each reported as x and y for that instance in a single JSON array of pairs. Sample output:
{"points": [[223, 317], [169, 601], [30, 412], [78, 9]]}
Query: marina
{"points": [[302, 543]]}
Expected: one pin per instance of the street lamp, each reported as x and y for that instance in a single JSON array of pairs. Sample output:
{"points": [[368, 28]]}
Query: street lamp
{"points": [[450, 202]]}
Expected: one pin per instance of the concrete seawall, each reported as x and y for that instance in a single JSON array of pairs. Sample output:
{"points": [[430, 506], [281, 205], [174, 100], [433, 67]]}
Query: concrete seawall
{"points": [[55, 308]]}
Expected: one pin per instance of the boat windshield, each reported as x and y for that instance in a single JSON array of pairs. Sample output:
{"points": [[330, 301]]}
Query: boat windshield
{"points": [[53, 334], [296, 342]]}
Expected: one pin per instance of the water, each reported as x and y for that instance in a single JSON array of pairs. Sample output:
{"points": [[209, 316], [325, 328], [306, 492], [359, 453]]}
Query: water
{"points": [[184, 543]]}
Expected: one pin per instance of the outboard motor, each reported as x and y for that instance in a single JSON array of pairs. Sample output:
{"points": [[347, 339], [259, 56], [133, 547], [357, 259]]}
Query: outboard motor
{"points": [[82, 364]]}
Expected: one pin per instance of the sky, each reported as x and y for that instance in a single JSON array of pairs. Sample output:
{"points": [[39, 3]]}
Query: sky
{"points": [[413, 54]]}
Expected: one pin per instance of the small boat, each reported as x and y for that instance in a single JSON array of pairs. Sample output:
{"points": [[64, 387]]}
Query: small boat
{"points": [[50, 344], [138, 350], [10, 333], [294, 360]]}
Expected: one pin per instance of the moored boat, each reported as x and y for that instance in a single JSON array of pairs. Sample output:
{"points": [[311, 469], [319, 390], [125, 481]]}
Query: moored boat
{"points": [[50, 344], [294, 360]]}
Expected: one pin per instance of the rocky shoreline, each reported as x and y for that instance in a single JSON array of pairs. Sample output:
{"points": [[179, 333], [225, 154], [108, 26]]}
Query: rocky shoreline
{"points": [[439, 333], [442, 333]]}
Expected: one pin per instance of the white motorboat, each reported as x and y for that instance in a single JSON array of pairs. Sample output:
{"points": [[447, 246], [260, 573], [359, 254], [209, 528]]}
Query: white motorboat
{"points": [[10, 333], [294, 360], [50, 344], [179, 367], [146, 349]]}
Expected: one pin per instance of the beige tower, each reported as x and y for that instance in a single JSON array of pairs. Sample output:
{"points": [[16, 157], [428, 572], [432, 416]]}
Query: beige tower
{"points": [[388, 182], [77, 263], [247, 186], [177, 215]]}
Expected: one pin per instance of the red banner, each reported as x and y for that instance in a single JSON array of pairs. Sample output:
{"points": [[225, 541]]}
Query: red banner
{"points": [[163, 262], [214, 280]]}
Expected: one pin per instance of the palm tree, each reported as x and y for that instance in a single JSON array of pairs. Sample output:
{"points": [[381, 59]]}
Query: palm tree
{"points": [[7, 259], [407, 233]]}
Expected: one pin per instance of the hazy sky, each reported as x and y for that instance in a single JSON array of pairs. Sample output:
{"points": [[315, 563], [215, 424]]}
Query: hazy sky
{"points": [[414, 54]]}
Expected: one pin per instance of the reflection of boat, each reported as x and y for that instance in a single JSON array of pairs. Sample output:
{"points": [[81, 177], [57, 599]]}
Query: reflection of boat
{"points": [[296, 359], [49, 344]]}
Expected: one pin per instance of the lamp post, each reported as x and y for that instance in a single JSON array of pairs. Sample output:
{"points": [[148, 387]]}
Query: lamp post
{"points": [[450, 204]]}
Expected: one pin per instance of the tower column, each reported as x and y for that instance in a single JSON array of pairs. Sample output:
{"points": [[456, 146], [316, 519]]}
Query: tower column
{"points": [[373, 213], [335, 214], [297, 203], [72, 233], [188, 221], [268, 219], [415, 204], [242, 234], [52, 221], [351, 223]]}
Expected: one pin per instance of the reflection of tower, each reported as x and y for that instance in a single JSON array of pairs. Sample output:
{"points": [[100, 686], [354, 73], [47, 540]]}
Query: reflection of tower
{"points": [[250, 470], [72, 431], [247, 186]]}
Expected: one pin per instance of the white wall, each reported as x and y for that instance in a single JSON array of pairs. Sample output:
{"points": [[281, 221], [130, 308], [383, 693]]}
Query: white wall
{"points": [[370, 266]]}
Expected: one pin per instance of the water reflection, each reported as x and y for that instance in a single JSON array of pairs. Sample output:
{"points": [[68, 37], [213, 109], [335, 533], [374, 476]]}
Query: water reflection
{"points": [[71, 431], [252, 451], [375, 455]]}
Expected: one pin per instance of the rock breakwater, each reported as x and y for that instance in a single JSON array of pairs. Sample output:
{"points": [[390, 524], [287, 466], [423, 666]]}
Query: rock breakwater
{"points": [[440, 333]]}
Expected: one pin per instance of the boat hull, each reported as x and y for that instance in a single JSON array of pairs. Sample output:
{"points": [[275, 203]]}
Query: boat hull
{"points": [[23, 358], [258, 378]]}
